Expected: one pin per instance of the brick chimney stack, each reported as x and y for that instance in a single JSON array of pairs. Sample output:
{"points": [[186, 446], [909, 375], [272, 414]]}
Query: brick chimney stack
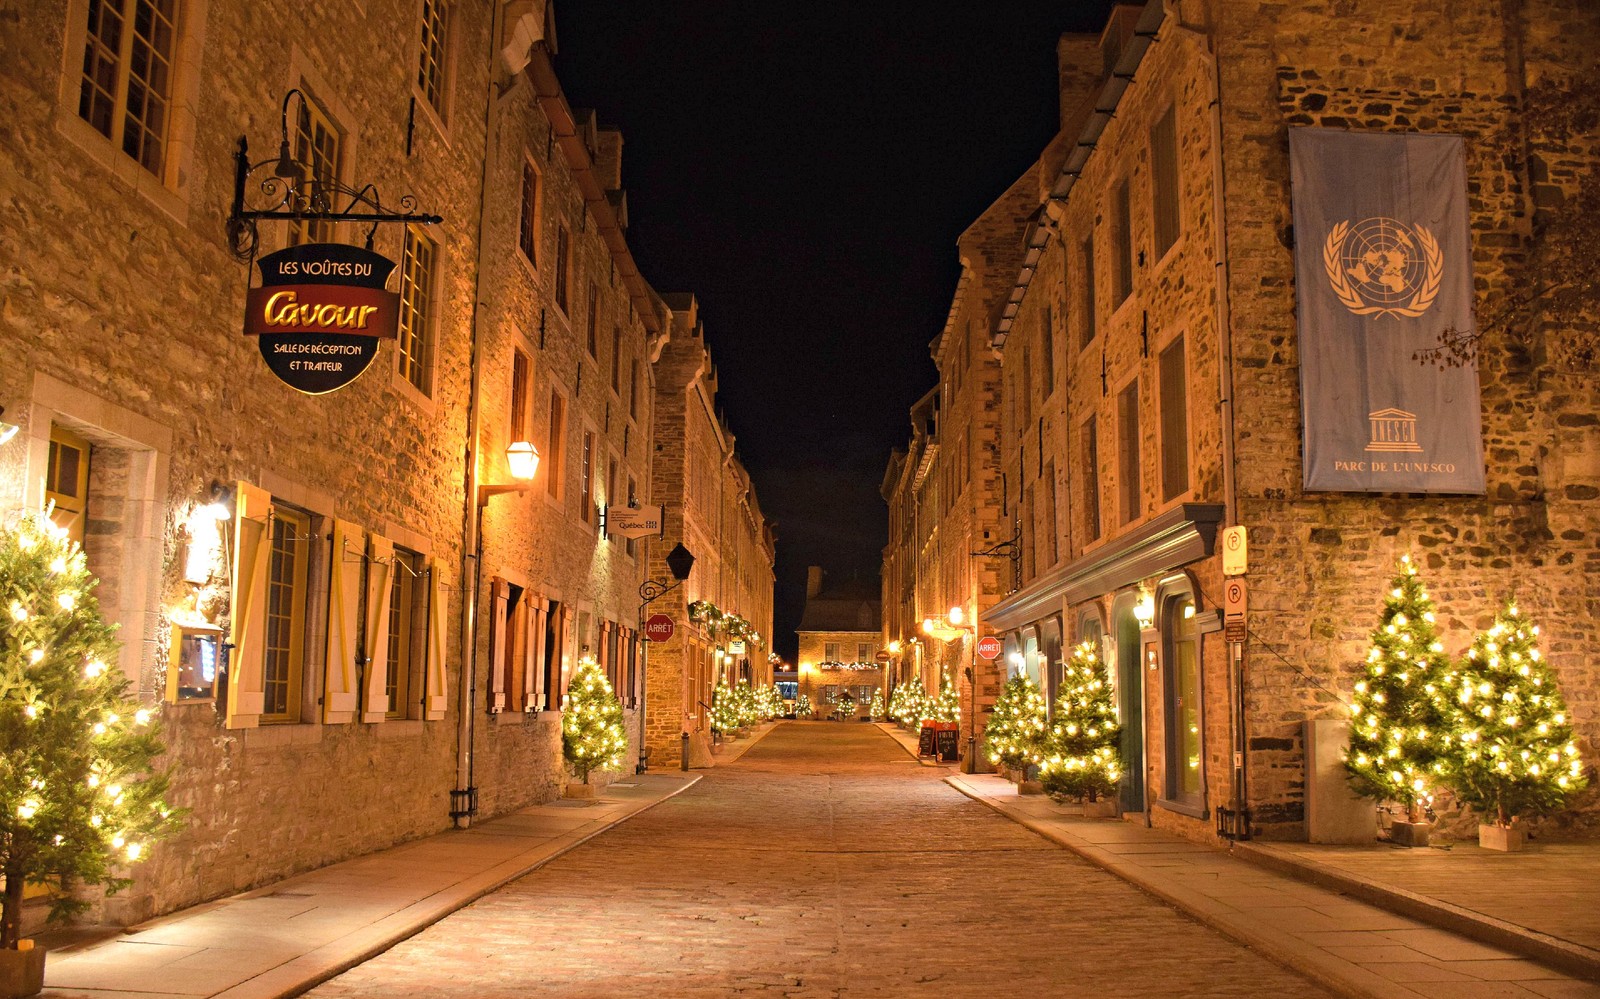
{"points": [[813, 580]]}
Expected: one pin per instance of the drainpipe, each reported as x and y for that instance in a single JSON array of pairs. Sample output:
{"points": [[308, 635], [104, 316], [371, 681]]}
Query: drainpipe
{"points": [[471, 543]]}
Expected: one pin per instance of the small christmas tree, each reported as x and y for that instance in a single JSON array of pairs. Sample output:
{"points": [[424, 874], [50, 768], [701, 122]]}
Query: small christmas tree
{"points": [[592, 733], [78, 794], [724, 708], [1083, 759], [744, 704], [1400, 727], [1016, 730], [876, 708], [947, 707], [847, 706], [1517, 758], [914, 704], [802, 707]]}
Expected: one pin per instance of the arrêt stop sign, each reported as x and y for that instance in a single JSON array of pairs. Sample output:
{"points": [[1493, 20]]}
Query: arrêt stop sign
{"points": [[659, 628], [988, 647]]}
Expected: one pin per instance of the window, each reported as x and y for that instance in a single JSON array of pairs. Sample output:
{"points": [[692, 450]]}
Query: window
{"points": [[66, 482], [1091, 478], [1124, 238], [528, 225], [414, 347], [286, 607], [1128, 451], [1025, 389], [830, 651], [1164, 182], [633, 390], [403, 606], [432, 77], [518, 429], [864, 652], [508, 647], [1174, 422], [1185, 777], [563, 251], [555, 623], [317, 143], [1047, 349], [616, 359], [1086, 290], [126, 92], [594, 319], [586, 485], [553, 445], [1049, 548]]}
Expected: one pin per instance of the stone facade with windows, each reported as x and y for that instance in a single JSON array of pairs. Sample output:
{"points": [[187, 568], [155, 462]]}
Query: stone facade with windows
{"points": [[1149, 390], [293, 575], [841, 634]]}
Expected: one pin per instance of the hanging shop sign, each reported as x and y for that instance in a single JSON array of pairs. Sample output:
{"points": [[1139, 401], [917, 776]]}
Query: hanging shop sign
{"points": [[632, 521], [320, 312], [1383, 268], [883, 657], [735, 648]]}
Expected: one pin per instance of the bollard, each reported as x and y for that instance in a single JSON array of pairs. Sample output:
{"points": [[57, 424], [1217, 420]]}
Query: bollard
{"points": [[685, 763]]}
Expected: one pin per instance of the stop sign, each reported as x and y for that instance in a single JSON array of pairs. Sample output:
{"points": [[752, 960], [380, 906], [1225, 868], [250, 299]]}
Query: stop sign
{"points": [[988, 647], [659, 628]]}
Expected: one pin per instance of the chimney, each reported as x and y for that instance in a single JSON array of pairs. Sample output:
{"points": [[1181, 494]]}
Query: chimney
{"points": [[813, 580]]}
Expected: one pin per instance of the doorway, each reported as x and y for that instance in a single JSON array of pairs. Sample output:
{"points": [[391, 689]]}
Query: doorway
{"points": [[1130, 704]]}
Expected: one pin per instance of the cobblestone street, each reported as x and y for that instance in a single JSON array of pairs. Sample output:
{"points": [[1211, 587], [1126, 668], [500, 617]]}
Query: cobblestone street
{"points": [[825, 862]]}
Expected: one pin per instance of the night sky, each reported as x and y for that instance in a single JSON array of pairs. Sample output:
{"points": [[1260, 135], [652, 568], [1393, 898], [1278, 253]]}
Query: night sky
{"points": [[805, 170]]}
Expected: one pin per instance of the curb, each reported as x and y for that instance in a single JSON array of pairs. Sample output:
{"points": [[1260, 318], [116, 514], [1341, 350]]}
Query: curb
{"points": [[284, 981], [1563, 955], [1300, 958]]}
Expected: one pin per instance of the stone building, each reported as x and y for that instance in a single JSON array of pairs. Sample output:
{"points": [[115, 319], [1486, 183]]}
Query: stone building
{"points": [[425, 607], [723, 612], [1150, 385], [840, 633]]}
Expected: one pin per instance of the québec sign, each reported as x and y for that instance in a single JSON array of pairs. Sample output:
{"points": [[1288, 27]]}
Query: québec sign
{"points": [[320, 312]]}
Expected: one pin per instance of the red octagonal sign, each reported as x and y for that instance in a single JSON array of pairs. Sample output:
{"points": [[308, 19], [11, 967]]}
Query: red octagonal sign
{"points": [[988, 647], [659, 628]]}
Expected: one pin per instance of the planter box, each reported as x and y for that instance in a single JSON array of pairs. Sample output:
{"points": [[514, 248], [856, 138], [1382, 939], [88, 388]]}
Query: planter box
{"points": [[1507, 839], [1102, 808], [582, 792], [21, 971], [1403, 833], [1029, 787]]}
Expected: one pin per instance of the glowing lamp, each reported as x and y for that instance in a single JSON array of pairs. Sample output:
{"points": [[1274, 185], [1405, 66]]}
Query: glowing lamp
{"points": [[523, 459], [1145, 609]]}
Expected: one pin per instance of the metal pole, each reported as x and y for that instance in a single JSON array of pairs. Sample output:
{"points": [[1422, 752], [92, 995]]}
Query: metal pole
{"points": [[684, 763]]}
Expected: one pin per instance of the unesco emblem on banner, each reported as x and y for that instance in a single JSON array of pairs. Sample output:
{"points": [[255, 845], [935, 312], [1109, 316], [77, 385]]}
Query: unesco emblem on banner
{"points": [[1382, 267]]}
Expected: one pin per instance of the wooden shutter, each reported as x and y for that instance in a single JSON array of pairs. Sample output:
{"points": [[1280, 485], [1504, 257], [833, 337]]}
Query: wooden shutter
{"points": [[252, 545], [341, 682], [532, 646], [436, 685], [500, 593], [539, 623], [380, 592]]}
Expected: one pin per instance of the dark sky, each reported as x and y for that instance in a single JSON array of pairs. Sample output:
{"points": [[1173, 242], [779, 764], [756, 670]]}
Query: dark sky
{"points": [[805, 169]]}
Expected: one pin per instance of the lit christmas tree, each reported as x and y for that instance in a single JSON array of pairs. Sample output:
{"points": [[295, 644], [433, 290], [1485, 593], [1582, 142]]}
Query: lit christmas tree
{"points": [[847, 706], [592, 733], [744, 704], [1400, 726], [77, 791], [724, 708], [1083, 760], [802, 706], [1517, 755], [1015, 733], [913, 702], [876, 708], [947, 706]]}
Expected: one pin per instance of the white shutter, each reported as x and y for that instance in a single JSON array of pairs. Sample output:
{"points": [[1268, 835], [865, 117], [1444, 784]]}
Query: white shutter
{"points": [[380, 577], [538, 622], [499, 641], [532, 639], [340, 688], [252, 553], [436, 685]]}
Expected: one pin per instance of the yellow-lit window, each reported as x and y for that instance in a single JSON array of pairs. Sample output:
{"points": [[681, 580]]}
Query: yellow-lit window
{"points": [[126, 91], [402, 610], [67, 481], [286, 603], [317, 148], [416, 300]]}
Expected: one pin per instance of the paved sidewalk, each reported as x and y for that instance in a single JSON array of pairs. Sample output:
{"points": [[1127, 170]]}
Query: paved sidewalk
{"points": [[1355, 948], [284, 938]]}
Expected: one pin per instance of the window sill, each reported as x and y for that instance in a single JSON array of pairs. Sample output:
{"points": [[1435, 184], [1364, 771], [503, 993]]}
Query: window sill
{"points": [[1196, 811], [124, 168], [274, 735], [411, 393], [426, 110]]}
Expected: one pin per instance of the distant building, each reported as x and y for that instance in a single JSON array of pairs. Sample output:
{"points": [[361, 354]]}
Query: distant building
{"points": [[841, 633]]}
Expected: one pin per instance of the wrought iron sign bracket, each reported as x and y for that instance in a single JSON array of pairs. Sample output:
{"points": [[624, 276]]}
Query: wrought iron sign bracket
{"points": [[652, 590], [290, 192], [1011, 549]]}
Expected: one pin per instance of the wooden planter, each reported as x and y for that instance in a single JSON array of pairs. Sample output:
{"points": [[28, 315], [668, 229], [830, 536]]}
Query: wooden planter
{"points": [[582, 792], [1506, 839], [21, 971], [1101, 808]]}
